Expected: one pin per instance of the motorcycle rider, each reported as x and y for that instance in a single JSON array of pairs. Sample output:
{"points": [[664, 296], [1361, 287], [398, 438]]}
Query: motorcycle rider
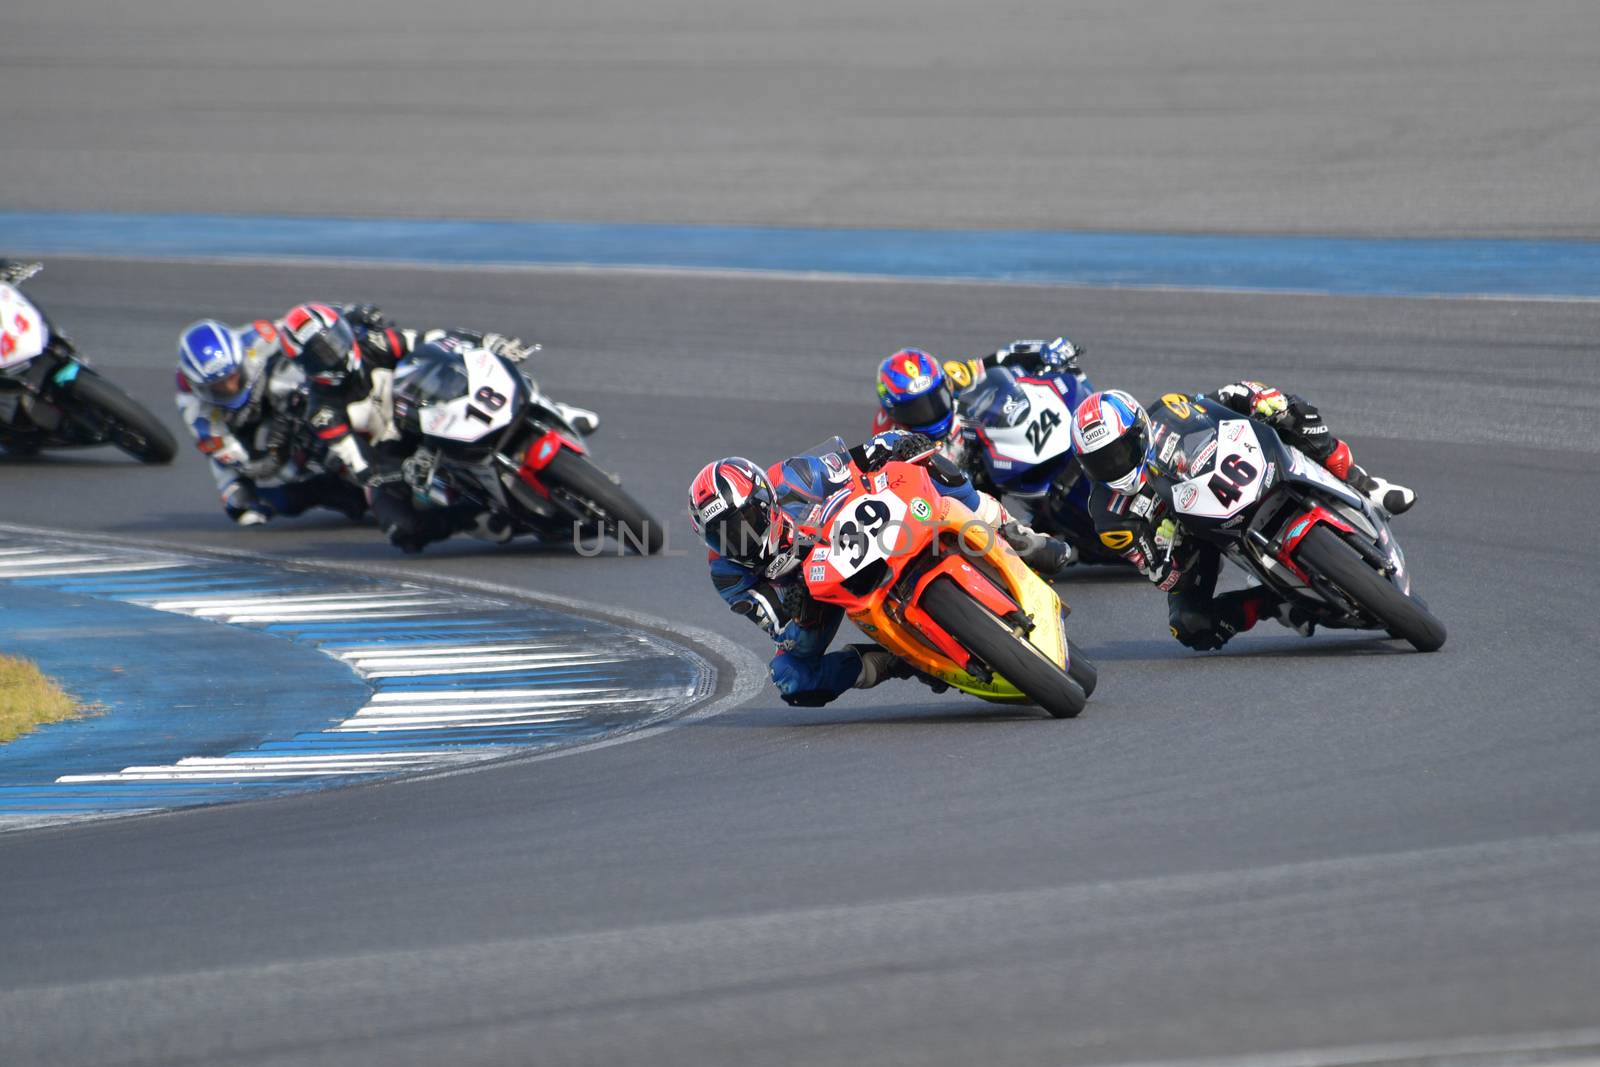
{"points": [[750, 519], [349, 355], [918, 393], [1119, 444], [244, 401]]}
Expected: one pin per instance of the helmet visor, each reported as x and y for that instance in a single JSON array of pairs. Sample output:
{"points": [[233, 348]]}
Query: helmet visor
{"points": [[1117, 459], [741, 535], [227, 392], [922, 412], [330, 350]]}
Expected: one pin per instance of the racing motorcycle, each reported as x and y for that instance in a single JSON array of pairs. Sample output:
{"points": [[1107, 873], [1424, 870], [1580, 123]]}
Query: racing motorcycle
{"points": [[1016, 429], [1288, 522], [483, 433], [922, 576], [51, 398]]}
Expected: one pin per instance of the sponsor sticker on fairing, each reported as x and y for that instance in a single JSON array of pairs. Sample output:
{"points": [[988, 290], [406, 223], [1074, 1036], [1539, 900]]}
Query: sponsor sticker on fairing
{"points": [[819, 574], [880, 482], [1185, 495], [819, 554], [921, 509]]}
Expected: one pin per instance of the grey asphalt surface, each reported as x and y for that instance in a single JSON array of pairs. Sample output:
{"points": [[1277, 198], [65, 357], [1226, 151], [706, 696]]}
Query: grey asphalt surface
{"points": [[1293, 844], [1424, 117]]}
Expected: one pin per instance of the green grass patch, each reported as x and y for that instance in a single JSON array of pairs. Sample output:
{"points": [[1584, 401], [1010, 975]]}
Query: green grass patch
{"points": [[28, 698]]}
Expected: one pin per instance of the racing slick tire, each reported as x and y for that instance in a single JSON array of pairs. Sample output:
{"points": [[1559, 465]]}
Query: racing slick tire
{"points": [[1081, 669], [128, 425], [1325, 553], [623, 517], [989, 638]]}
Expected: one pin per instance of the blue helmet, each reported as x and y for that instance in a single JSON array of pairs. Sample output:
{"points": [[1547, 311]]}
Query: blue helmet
{"points": [[914, 392], [211, 359]]}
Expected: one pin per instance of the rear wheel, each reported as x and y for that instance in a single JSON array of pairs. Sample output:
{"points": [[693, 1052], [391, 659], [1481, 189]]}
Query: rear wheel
{"points": [[128, 425], [992, 641], [1324, 552], [618, 513]]}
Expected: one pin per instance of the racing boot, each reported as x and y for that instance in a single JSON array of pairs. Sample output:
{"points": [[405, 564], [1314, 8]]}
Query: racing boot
{"points": [[492, 527], [1047, 556], [1392, 497], [1296, 618], [583, 420], [879, 665]]}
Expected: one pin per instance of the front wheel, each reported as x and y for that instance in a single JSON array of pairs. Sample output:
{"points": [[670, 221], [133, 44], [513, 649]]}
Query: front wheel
{"points": [[1081, 669], [1325, 553], [1008, 655], [596, 496], [126, 422]]}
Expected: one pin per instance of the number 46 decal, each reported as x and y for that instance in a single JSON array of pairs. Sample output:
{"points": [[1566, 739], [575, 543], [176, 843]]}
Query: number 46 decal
{"points": [[1231, 473]]}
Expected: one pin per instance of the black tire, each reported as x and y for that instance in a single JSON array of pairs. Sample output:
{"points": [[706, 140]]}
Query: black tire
{"points": [[130, 427], [623, 517], [1405, 617], [992, 641], [1081, 669]]}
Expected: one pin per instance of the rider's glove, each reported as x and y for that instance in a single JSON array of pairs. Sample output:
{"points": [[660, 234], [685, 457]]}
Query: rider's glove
{"points": [[511, 348], [902, 446], [16, 273], [1060, 354], [369, 316], [1254, 398]]}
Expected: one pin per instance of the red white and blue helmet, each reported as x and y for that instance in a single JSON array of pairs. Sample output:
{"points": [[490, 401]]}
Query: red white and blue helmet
{"points": [[914, 392], [322, 342], [1111, 434], [733, 506], [211, 359]]}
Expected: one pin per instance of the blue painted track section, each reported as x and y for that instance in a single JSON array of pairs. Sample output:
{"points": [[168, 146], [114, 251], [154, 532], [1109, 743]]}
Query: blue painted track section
{"points": [[213, 680], [1337, 265]]}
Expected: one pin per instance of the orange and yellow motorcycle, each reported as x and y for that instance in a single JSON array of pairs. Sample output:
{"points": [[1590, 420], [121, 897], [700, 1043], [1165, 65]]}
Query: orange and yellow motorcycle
{"points": [[919, 573]]}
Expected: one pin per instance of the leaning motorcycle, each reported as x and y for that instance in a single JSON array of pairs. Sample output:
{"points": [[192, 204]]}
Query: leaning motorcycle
{"points": [[1288, 523], [919, 573], [51, 398], [1017, 428], [484, 434]]}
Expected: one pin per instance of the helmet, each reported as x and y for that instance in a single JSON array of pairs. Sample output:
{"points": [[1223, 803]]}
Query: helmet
{"points": [[211, 358], [1111, 434], [321, 341], [914, 392], [733, 506]]}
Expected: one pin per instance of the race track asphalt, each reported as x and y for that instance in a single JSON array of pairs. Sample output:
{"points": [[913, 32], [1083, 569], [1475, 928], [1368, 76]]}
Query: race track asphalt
{"points": [[1290, 845], [1361, 116]]}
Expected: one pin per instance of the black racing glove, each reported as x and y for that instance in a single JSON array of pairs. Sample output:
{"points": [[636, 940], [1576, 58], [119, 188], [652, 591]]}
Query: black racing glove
{"points": [[892, 447], [367, 316]]}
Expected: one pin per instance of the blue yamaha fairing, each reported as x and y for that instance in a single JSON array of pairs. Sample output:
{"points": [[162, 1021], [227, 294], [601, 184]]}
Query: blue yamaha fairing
{"points": [[1017, 429]]}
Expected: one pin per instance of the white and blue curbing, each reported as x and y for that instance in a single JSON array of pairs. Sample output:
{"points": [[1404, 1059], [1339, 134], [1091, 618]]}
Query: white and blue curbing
{"points": [[216, 679]]}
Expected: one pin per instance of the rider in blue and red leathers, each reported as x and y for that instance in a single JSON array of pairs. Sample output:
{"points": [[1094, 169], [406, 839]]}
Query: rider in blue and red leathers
{"points": [[751, 520]]}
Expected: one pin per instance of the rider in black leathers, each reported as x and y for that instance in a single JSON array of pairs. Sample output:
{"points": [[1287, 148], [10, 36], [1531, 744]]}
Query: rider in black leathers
{"points": [[1133, 519]]}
